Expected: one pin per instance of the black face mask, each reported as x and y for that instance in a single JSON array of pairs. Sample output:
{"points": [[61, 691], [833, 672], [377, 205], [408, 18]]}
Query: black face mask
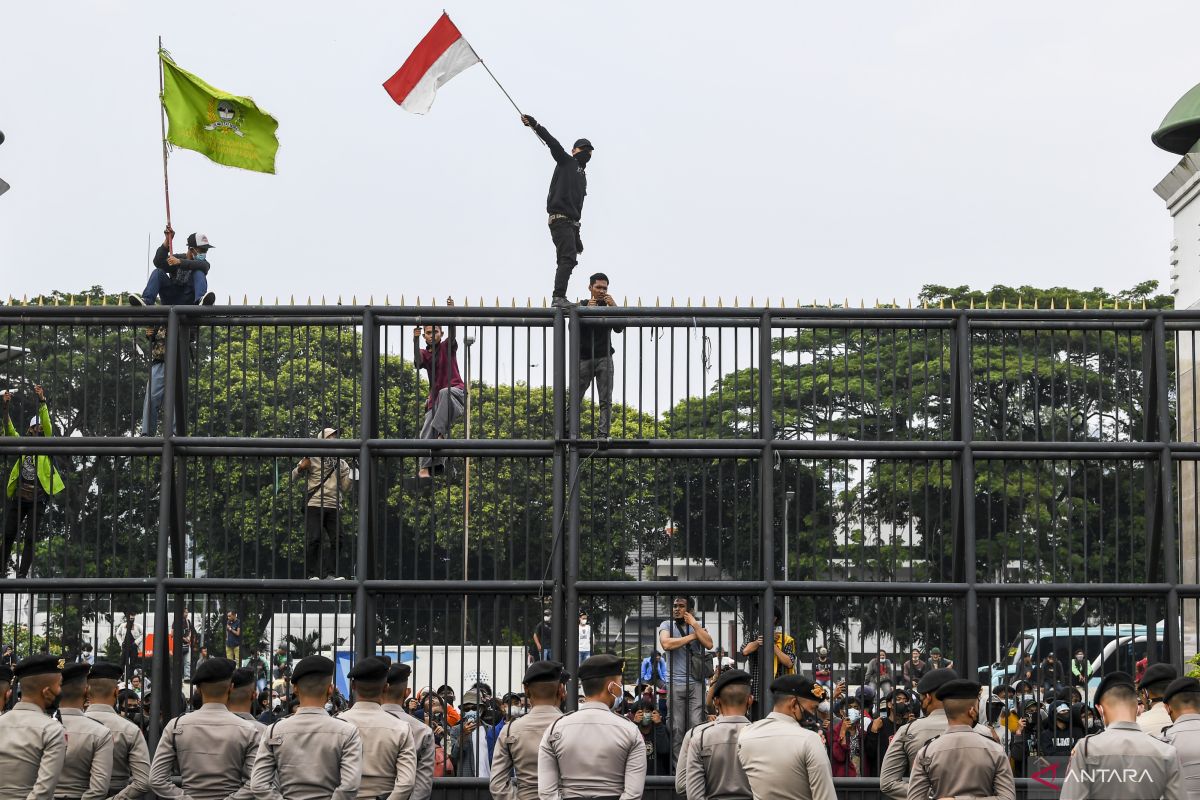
{"points": [[583, 157]]}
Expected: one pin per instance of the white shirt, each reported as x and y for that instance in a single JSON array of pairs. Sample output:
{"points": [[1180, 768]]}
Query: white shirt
{"points": [[585, 638]]}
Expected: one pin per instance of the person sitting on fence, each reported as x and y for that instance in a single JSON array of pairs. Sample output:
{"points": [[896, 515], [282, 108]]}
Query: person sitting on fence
{"points": [[327, 480], [447, 392], [32, 480], [179, 279]]}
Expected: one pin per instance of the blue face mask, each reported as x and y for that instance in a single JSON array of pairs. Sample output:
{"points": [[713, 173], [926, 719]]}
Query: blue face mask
{"points": [[202, 256], [854, 715]]}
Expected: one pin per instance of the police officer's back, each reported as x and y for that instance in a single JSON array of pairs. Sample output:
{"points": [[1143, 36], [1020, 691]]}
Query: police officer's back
{"points": [[309, 755], [593, 753], [389, 762], [713, 771], [130, 776], [1155, 719], [1121, 762], [87, 767], [1182, 698], [961, 762], [782, 760], [33, 745], [211, 749], [244, 688], [515, 758], [394, 696]]}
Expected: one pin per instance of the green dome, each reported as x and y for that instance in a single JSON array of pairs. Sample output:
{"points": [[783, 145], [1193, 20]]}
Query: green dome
{"points": [[1180, 129]]}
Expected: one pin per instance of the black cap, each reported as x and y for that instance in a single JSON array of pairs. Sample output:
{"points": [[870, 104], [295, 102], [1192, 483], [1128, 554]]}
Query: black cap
{"points": [[935, 679], [243, 676], [1157, 673], [545, 672], [312, 665], [106, 670], [76, 672], [371, 669], [398, 673], [799, 686], [1110, 680], [1179, 686], [601, 666], [214, 670], [728, 677], [958, 689], [6, 673], [41, 664], [584, 143]]}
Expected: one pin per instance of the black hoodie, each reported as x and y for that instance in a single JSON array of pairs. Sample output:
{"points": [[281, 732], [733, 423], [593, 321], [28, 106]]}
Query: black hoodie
{"points": [[568, 185]]}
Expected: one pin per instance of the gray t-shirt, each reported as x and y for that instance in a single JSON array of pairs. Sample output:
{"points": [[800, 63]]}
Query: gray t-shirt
{"points": [[677, 660]]}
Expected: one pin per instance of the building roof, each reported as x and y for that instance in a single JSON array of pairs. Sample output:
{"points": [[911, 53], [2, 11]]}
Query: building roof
{"points": [[1180, 129]]}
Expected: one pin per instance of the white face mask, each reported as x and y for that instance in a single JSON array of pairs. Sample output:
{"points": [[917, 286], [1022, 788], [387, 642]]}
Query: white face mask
{"points": [[854, 715], [823, 707], [616, 703]]}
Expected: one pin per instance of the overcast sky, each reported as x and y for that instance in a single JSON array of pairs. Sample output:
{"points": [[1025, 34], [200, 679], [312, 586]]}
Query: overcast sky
{"points": [[794, 149]]}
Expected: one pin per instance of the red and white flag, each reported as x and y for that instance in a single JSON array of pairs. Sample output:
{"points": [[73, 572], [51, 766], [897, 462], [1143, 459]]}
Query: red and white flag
{"points": [[441, 55]]}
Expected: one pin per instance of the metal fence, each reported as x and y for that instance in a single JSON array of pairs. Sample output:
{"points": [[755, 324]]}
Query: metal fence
{"points": [[992, 483]]}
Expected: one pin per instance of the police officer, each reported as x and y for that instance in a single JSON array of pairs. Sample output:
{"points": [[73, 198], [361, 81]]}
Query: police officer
{"points": [[911, 737], [395, 694], [782, 760], [961, 762], [1182, 698], [713, 771], [212, 749], [389, 762], [309, 755], [593, 753], [1121, 761], [33, 745], [241, 696], [88, 766], [515, 759], [130, 757], [1151, 687]]}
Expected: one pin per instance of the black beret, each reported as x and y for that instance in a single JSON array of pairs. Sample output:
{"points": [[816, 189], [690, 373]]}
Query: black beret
{"points": [[958, 689], [1109, 681], [106, 670], [934, 679], [76, 672], [243, 676], [312, 665], [799, 686], [214, 670], [730, 676], [601, 666], [6, 673], [41, 664], [545, 672], [1157, 673], [398, 673], [1179, 686], [370, 669]]}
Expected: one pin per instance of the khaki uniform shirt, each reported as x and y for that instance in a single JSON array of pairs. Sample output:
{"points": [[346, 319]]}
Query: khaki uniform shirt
{"points": [[308, 756], [962, 763], [211, 749], [131, 758], [681, 762], [1184, 736], [248, 716], [1154, 720], [1122, 763], [515, 758], [423, 742], [87, 768], [33, 747], [906, 743], [713, 769], [783, 761], [591, 753], [389, 760]]}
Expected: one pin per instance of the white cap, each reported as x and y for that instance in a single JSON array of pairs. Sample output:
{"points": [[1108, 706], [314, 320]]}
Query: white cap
{"points": [[328, 432], [34, 422]]}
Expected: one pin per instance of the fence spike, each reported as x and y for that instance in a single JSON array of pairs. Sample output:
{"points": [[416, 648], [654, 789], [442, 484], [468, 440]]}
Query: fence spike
{"points": [[292, 300], [260, 299], [910, 303], [1020, 303], [942, 302], [704, 301], [1051, 303], [768, 301], [276, 299], [925, 304], [41, 301], [751, 301], [1085, 304], [657, 301], [672, 301], [87, 300], [720, 302], [353, 299], [1143, 304], [1003, 303], [1068, 305], [497, 301], [1035, 303]]}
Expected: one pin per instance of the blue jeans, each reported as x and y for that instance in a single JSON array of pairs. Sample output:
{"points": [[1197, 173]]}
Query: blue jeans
{"points": [[546, 655], [186, 288], [584, 654], [155, 388]]}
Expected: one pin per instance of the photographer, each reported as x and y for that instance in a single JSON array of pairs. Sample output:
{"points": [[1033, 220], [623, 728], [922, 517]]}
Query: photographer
{"points": [[596, 352], [470, 739], [1024, 746], [646, 713]]}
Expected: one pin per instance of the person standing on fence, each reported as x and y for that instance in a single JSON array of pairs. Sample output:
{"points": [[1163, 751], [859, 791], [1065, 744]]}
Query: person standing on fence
{"points": [[33, 745], [515, 760], [684, 641], [179, 279], [389, 766], [447, 392], [712, 767], [87, 769], [564, 204], [596, 353], [782, 759], [593, 753], [394, 698], [327, 480], [31, 482]]}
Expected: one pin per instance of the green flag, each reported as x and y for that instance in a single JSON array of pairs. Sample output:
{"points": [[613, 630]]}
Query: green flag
{"points": [[230, 130]]}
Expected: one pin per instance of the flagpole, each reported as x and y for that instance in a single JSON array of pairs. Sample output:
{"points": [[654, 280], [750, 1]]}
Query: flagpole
{"points": [[162, 108], [489, 72]]}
